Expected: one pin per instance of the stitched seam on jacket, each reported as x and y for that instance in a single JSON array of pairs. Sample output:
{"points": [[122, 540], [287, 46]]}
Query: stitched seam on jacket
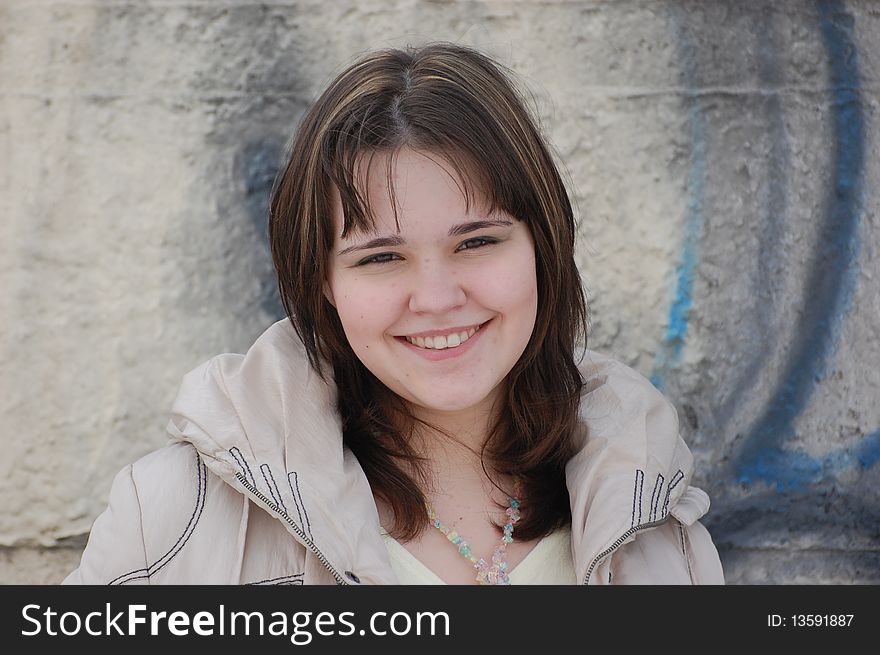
{"points": [[147, 568], [684, 551], [273, 488], [639, 483], [293, 578], [298, 501], [140, 513], [242, 463], [655, 497], [200, 504], [298, 496], [678, 477], [184, 537]]}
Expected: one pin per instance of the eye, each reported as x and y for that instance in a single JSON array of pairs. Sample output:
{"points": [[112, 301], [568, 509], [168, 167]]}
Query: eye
{"points": [[381, 258], [388, 257], [477, 242]]}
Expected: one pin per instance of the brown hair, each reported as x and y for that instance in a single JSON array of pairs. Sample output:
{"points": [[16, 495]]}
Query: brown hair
{"points": [[454, 101]]}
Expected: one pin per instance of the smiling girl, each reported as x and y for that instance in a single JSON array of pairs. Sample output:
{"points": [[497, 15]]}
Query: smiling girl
{"points": [[429, 412]]}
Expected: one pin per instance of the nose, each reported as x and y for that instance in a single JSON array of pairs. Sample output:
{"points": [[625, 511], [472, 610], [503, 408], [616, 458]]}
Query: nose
{"points": [[435, 289]]}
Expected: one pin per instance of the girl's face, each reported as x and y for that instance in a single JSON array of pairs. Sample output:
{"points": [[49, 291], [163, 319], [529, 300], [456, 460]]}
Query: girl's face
{"points": [[440, 311]]}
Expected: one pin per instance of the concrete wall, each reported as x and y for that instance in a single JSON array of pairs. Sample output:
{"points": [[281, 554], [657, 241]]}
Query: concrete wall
{"points": [[720, 154]]}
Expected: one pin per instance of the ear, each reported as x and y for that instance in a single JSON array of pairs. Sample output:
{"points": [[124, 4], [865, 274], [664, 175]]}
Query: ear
{"points": [[328, 293]]}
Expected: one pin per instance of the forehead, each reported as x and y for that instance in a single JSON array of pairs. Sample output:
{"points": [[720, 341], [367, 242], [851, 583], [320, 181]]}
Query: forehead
{"points": [[406, 190]]}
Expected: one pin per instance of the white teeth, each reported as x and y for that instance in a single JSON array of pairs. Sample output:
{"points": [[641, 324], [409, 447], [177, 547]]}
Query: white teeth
{"points": [[440, 342]]}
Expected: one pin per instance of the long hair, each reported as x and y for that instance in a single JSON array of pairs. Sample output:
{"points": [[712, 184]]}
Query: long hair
{"points": [[456, 102]]}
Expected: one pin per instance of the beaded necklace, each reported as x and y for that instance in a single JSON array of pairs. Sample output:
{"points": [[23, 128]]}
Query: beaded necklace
{"points": [[486, 575]]}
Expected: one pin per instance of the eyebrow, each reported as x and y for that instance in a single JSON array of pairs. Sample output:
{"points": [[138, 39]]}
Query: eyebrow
{"points": [[454, 231]]}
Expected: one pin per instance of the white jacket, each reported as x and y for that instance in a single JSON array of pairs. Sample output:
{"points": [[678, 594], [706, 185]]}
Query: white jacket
{"points": [[257, 488]]}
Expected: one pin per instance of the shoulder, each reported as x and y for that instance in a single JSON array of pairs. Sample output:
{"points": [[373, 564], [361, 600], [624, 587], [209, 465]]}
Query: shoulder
{"points": [[145, 497], [166, 513], [167, 478], [621, 406], [175, 460], [611, 385]]}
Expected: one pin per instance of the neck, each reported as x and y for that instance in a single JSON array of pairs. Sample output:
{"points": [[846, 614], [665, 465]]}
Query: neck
{"points": [[456, 460]]}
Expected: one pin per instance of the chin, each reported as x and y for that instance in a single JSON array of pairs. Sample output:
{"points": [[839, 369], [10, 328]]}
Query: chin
{"points": [[454, 403]]}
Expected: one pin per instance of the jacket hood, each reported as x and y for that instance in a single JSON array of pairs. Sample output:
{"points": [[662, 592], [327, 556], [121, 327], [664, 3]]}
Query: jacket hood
{"points": [[266, 424]]}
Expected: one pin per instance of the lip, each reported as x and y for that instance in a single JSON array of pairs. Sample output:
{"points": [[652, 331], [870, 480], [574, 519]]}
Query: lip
{"points": [[446, 353], [434, 333]]}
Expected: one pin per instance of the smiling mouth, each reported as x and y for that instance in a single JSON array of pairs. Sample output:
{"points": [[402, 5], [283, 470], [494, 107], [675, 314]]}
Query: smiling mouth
{"points": [[445, 341], [441, 342]]}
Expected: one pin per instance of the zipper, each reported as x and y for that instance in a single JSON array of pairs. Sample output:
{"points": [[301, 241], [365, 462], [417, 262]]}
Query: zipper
{"points": [[299, 533], [617, 543]]}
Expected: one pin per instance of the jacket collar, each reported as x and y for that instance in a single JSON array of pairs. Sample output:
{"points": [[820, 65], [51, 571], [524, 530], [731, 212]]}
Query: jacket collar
{"points": [[284, 451]]}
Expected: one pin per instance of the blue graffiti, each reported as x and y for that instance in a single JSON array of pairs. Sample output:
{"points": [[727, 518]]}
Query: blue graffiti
{"points": [[865, 453], [672, 345], [794, 469], [831, 283]]}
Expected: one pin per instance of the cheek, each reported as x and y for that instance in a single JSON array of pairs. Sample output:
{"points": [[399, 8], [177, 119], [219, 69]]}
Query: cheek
{"points": [[365, 309], [511, 286]]}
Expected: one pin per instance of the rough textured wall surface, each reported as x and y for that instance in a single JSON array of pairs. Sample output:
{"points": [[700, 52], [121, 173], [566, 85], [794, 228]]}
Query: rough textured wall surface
{"points": [[720, 154]]}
